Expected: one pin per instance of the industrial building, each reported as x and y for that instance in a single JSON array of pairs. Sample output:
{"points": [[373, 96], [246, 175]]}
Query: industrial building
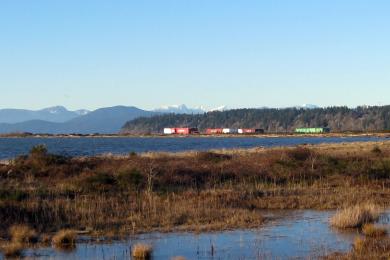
{"points": [[180, 131], [212, 131], [313, 130], [250, 131]]}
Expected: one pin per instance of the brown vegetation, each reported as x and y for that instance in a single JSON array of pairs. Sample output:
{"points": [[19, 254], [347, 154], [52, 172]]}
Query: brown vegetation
{"points": [[374, 245], [356, 216], [366, 248], [141, 252], [12, 249], [23, 234], [65, 239], [187, 191], [178, 258], [371, 230]]}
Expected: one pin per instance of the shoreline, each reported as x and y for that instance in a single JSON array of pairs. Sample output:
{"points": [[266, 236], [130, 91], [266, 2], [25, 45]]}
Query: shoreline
{"points": [[270, 135]]}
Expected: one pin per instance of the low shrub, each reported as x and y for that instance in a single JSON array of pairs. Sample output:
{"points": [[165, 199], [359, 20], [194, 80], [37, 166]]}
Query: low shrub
{"points": [[299, 153], [213, 157], [130, 179], [38, 151], [376, 150], [132, 154], [13, 195], [379, 170], [98, 182]]}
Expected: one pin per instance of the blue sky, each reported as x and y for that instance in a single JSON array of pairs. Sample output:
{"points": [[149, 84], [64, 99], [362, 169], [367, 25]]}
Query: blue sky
{"points": [[91, 53]]}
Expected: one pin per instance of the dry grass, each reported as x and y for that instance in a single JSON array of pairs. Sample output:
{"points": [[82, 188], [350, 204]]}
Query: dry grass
{"points": [[65, 238], [356, 216], [371, 248], [178, 258], [12, 249], [45, 239], [359, 244], [365, 248], [212, 190], [23, 234], [371, 230], [142, 251]]}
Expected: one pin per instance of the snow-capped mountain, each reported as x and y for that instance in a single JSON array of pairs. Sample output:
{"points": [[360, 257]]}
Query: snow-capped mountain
{"points": [[183, 109], [220, 108], [55, 110], [82, 112], [308, 106], [180, 109], [56, 114]]}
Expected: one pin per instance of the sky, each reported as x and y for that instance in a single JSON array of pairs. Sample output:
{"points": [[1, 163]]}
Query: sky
{"points": [[99, 53]]}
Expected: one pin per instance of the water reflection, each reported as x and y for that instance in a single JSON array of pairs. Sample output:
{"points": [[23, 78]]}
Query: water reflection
{"points": [[296, 234]]}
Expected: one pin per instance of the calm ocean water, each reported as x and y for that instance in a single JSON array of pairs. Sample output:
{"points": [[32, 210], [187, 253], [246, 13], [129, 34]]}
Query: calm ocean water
{"points": [[12, 147]]}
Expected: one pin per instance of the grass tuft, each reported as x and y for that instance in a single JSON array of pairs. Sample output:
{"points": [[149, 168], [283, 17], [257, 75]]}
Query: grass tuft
{"points": [[23, 234], [359, 244], [370, 248], [65, 239], [142, 251], [12, 249], [356, 216], [371, 230]]}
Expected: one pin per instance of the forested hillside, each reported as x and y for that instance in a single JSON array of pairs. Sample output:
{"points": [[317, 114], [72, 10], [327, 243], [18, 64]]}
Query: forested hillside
{"points": [[271, 120]]}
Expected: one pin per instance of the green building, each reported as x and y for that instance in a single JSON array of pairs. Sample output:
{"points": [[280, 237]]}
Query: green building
{"points": [[314, 130]]}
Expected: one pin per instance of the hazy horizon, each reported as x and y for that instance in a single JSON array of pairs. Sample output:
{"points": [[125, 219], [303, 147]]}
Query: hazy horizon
{"points": [[92, 54], [190, 107]]}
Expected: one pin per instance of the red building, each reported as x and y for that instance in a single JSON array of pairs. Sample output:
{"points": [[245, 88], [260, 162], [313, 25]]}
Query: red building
{"points": [[214, 131], [181, 130]]}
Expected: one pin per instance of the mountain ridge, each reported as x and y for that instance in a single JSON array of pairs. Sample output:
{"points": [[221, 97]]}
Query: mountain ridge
{"points": [[104, 121], [51, 114]]}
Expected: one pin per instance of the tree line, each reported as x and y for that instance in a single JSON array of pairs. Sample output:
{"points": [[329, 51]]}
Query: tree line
{"points": [[338, 119]]}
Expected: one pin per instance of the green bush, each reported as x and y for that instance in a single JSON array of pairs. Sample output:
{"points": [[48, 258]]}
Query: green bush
{"points": [[13, 195], [379, 170], [299, 154], [132, 154], [376, 150], [99, 182], [213, 157], [130, 179], [38, 151]]}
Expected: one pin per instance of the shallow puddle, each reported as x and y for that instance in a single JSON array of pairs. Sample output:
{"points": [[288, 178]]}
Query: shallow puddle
{"points": [[296, 235]]}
